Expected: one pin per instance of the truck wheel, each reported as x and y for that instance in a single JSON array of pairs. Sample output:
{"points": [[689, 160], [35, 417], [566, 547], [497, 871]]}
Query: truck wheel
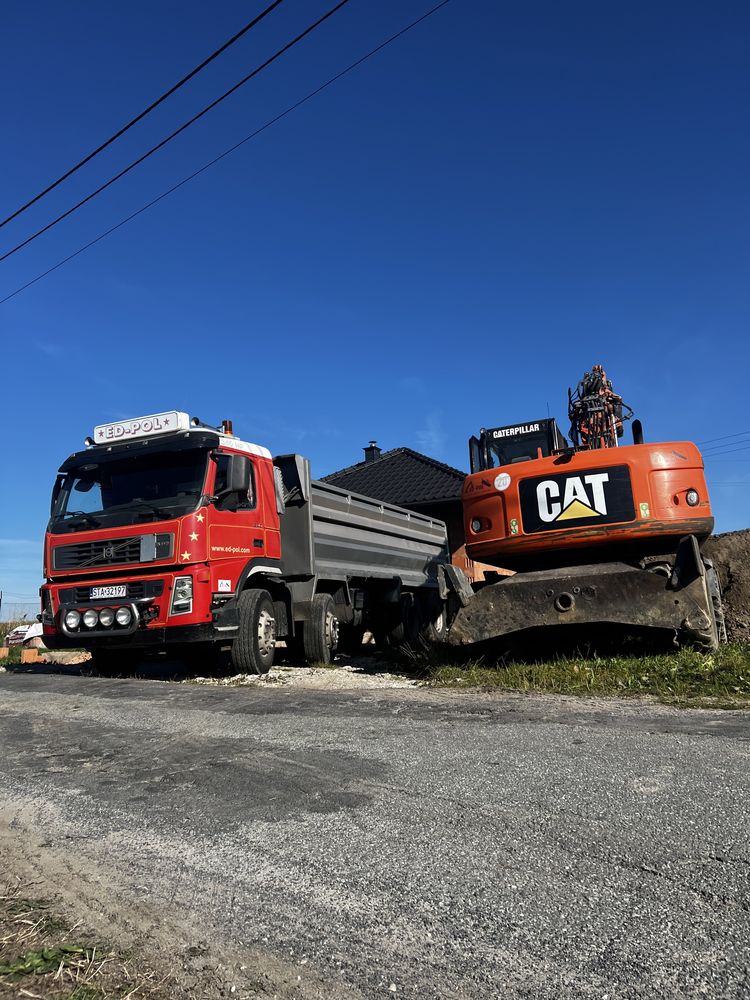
{"points": [[408, 627], [321, 633], [435, 628], [253, 649]]}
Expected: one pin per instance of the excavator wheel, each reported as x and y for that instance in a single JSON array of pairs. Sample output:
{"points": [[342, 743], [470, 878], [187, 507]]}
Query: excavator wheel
{"points": [[714, 590]]}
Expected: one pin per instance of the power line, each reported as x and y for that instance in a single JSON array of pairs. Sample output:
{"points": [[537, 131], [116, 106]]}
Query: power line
{"points": [[724, 437], [146, 111], [227, 152], [177, 131], [716, 448], [728, 451]]}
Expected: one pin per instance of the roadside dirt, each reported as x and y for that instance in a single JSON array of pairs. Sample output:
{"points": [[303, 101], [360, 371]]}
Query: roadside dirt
{"points": [[152, 951], [365, 673], [731, 555]]}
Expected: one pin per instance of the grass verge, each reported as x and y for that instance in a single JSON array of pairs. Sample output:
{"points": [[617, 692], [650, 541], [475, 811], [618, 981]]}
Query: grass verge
{"points": [[688, 678], [43, 957]]}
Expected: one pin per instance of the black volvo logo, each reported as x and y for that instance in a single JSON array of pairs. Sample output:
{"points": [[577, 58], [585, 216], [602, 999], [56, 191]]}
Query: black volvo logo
{"points": [[109, 550], [573, 500]]}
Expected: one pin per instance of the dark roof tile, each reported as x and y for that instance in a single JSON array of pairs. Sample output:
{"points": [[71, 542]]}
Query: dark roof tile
{"points": [[401, 476]]}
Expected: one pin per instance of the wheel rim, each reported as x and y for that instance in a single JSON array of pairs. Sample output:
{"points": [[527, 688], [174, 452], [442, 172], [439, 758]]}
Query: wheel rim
{"points": [[266, 634], [331, 631]]}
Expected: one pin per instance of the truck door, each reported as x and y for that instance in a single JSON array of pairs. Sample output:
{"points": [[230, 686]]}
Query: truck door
{"points": [[236, 531]]}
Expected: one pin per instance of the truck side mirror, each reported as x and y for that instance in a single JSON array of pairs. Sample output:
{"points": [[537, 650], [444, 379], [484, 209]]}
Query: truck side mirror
{"points": [[239, 474]]}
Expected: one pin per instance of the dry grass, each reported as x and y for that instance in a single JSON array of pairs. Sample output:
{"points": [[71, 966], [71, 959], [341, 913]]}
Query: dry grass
{"points": [[43, 958]]}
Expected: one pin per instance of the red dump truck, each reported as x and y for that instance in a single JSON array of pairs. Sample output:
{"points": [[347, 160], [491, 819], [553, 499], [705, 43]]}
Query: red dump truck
{"points": [[169, 534]]}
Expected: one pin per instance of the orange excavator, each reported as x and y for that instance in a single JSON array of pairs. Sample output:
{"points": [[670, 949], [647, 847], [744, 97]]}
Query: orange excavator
{"points": [[597, 532]]}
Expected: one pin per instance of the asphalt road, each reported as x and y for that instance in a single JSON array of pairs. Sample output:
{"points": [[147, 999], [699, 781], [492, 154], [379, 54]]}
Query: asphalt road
{"points": [[409, 843]]}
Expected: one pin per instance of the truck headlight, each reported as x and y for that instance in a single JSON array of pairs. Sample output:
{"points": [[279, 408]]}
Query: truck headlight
{"points": [[182, 595], [72, 620], [106, 617], [476, 525], [123, 616], [692, 498], [90, 618]]}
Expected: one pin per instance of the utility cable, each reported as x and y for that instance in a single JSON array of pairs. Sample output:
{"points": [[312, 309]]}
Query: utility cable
{"points": [[177, 131], [227, 152], [160, 100], [724, 437], [729, 451]]}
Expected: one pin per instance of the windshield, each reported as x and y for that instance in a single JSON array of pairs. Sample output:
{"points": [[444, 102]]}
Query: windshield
{"points": [[507, 451], [129, 490]]}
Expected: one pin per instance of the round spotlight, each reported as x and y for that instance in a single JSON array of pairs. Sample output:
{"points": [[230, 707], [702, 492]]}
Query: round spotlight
{"points": [[90, 618], [692, 497], [72, 620], [476, 525], [124, 616], [106, 617]]}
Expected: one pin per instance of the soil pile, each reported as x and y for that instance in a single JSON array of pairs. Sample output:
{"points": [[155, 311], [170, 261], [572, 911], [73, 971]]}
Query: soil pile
{"points": [[731, 556]]}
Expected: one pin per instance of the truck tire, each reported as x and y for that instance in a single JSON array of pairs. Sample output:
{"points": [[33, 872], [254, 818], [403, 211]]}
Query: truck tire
{"points": [[253, 649], [408, 626], [435, 628], [320, 634]]}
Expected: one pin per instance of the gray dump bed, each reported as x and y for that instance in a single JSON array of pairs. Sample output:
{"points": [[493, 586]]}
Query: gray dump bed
{"points": [[339, 535]]}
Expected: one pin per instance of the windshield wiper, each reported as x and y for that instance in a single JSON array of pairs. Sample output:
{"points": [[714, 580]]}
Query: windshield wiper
{"points": [[82, 515], [145, 505], [135, 504]]}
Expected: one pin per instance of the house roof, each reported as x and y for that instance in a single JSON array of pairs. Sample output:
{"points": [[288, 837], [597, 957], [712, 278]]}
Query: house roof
{"points": [[401, 476]]}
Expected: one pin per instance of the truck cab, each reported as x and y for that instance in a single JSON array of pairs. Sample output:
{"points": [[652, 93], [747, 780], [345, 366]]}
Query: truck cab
{"points": [[151, 528]]}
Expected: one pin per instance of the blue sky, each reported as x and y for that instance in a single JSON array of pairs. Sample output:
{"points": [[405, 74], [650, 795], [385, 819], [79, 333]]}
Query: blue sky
{"points": [[445, 239]]}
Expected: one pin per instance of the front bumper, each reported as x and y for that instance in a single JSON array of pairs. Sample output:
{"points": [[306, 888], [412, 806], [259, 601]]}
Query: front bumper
{"points": [[154, 625], [143, 639]]}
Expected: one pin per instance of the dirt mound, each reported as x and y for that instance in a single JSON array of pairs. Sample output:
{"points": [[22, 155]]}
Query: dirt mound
{"points": [[731, 556]]}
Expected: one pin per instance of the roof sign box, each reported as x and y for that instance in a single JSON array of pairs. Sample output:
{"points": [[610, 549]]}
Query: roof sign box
{"points": [[140, 427]]}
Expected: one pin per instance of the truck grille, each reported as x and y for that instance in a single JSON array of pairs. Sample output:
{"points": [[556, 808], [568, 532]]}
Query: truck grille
{"points": [[114, 551], [137, 590]]}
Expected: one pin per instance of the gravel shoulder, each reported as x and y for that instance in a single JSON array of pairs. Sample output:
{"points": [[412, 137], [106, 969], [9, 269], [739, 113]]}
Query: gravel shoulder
{"points": [[291, 841]]}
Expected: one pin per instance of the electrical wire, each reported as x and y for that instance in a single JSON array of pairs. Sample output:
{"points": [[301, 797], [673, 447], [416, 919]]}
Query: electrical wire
{"points": [[728, 451], [191, 121], [227, 152], [155, 104], [724, 437]]}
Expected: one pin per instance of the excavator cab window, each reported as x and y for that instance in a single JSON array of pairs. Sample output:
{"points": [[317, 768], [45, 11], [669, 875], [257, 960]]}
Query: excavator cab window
{"points": [[499, 446]]}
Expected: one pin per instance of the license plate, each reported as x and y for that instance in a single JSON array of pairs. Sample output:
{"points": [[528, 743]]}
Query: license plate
{"points": [[105, 593]]}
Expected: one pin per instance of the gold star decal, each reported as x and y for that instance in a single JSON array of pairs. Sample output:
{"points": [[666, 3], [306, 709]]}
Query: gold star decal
{"points": [[199, 517], [193, 536], [185, 556]]}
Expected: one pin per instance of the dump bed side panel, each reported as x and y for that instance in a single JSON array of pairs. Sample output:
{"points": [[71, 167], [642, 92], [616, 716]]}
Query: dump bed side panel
{"points": [[355, 536]]}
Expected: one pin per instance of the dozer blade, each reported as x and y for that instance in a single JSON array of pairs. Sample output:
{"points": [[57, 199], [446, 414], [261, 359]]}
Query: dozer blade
{"points": [[604, 593]]}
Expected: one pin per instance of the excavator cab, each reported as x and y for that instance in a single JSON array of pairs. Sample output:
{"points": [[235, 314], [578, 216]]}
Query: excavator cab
{"points": [[499, 446]]}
